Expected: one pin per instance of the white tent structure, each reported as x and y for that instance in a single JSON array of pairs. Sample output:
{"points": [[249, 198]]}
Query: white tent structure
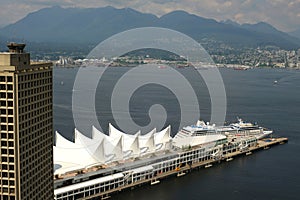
{"points": [[85, 152], [95, 146], [67, 154], [147, 143], [130, 143], [162, 139]]}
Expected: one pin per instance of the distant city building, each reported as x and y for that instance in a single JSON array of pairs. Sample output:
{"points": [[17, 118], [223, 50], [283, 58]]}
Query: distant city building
{"points": [[26, 171]]}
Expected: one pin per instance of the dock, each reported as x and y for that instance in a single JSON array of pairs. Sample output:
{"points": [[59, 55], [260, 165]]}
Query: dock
{"points": [[179, 172]]}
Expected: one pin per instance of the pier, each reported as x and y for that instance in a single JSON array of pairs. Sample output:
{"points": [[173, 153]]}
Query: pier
{"points": [[181, 171]]}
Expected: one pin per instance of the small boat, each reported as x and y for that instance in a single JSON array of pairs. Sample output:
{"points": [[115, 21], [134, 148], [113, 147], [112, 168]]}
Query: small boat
{"points": [[180, 174], [154, 182], [229, 159], [282, 142], [208, 165]]}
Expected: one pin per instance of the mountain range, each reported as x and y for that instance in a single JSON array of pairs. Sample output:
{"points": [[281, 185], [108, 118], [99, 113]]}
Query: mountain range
{"points": [[90, 26], [295, 33]]}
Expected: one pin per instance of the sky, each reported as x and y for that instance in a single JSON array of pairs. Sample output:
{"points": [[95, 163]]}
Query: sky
{"points": [[283, 14]]}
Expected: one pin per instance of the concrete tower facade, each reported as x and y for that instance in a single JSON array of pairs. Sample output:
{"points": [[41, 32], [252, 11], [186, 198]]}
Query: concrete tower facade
{"points": [[26, 126]]}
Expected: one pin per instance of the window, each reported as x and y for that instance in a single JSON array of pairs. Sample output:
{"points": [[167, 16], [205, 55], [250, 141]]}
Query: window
{"points": [[10, 104], [11, 152], [9, 95], [11, 144], [10, 120], [4, 174], [3, 143], [11, 167], [9, 79], [10, 128], [3, 135], [3, 151]]}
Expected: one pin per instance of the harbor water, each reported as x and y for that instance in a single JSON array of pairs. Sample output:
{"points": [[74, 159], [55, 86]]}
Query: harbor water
{"points": [[270, 97]]}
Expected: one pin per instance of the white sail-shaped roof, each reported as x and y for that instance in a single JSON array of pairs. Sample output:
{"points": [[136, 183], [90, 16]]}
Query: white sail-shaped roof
{"points": [[100, 152], [94, 146], [85, 152], [118, 149], [150, 133], [113, 132], [147, 142], [130, 143], [61, 141], [112, 145], [162, 138], [68, 155], [84, 141], [135, 146], [109, 143], [61, 164], [97, 135]]}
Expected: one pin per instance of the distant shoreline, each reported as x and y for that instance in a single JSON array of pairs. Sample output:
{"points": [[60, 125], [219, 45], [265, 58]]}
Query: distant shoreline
{"points": [[229, 66]]}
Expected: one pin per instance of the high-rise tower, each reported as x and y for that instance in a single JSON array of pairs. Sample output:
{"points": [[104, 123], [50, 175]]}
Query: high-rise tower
{"points": [[26, 156]]}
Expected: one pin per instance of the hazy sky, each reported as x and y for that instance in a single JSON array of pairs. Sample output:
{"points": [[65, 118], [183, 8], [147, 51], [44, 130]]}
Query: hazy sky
{"points": [[283, 14]]}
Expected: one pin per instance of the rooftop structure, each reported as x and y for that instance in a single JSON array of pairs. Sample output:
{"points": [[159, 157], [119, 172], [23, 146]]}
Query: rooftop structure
{"points": [[16, 47], [103, 149]]}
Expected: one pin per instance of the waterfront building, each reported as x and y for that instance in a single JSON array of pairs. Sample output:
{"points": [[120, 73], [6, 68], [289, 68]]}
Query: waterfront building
{"points": [[26, 156], [116, 161]]}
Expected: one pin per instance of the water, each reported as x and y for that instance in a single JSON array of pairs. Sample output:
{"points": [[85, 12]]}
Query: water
{"points": [[251, 95]]}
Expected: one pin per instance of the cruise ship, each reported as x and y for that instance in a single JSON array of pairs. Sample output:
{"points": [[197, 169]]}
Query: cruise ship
{"points": [[96, 167], [239, 128]]}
